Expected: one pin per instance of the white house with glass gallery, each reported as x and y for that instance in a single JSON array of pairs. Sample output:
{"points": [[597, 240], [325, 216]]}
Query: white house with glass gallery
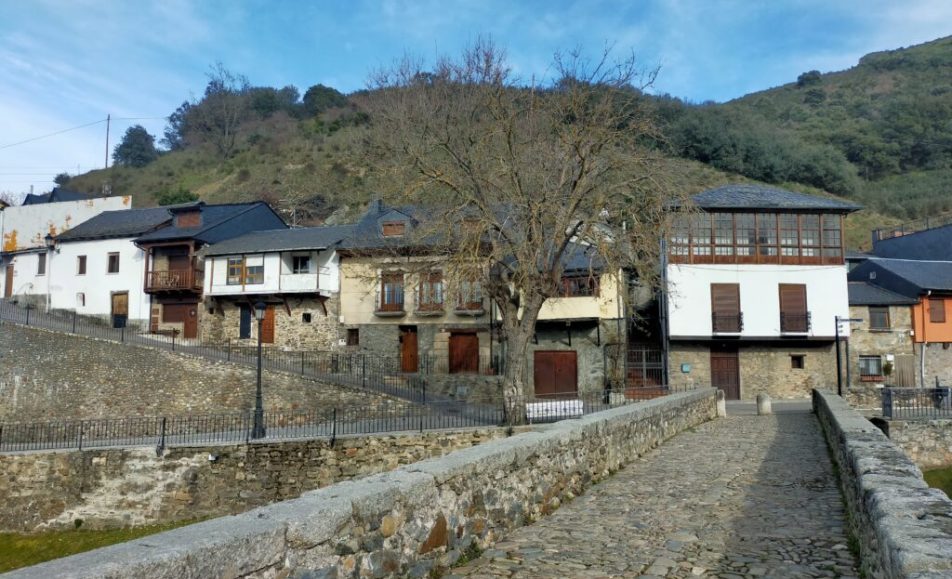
{"points": [[755, 279]]}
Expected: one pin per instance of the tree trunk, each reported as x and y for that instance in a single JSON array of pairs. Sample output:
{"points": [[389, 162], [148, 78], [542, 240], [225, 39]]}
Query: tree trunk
{"points": [[516, 387]]}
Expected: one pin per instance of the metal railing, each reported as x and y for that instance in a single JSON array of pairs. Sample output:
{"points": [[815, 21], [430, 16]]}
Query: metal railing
{"points": [[795, 323], [729, 323], [329, 423], [917, 403]]}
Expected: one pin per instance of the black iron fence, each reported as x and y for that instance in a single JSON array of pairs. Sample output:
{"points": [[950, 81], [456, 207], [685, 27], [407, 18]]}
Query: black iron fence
{"points": [[329, 423], [917, 403]]}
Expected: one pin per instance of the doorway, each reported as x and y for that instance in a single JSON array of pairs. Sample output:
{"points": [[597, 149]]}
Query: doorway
{"points": [[725, 372], [119, 309], [267, 326], [555, 373], [464, 353], [409, 359]]}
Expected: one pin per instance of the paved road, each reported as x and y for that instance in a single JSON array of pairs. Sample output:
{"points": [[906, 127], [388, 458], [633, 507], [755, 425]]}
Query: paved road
{"points": [[743, 496]]}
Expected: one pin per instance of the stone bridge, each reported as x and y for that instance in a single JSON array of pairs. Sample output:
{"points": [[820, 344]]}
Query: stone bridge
{"points": [[663, 488]]}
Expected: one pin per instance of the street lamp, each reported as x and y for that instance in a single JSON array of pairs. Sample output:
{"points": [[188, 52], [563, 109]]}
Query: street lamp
{"points": [[257, 430], [839, 364], [50, 246]]}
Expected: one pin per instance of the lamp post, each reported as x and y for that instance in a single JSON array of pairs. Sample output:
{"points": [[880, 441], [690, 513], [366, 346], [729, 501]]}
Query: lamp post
{"points": [[839, 365], [257, 430], [50, 246]]}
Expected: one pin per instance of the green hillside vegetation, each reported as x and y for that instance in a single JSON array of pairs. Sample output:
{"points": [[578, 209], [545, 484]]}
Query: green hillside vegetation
{"points": [[878, 134]]}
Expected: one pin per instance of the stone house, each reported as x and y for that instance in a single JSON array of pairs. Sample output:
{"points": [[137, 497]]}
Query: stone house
{"points": [[395, 305], [173, 272], [929, 285], [881, 347], [295, 272], [753, 283]]}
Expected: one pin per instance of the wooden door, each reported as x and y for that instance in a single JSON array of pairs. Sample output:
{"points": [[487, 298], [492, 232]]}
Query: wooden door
{"points": [[191, 321], [409, 359], [8, 283], [904, 373], [120, 309], [725, 372], [267, 326], [555, 373], [464, 353], [178, 263]]}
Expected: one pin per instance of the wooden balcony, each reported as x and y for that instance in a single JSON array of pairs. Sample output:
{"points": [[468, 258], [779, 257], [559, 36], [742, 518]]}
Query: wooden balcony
{"points": [[176, 280]]}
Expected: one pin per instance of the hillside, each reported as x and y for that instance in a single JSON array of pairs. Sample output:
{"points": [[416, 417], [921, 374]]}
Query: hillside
{"points": [[878, 133]]}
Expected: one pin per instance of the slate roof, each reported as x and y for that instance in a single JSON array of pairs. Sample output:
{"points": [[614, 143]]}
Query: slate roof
{"points": [[862, 293], [57, 195], [747, 196], [935, 244], [367, 232], [907, 277], [273, 240], [121, 223], [212, 216]]}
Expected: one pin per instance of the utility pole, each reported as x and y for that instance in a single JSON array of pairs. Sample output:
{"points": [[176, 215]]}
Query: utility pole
{"points": [[108, 121]]}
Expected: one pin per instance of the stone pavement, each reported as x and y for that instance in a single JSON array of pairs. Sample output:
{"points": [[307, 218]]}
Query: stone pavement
{"points": [[742, 496]]}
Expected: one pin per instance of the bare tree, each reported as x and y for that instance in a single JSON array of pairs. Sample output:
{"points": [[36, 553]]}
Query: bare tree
{"points": [[225, 105], [522, 178]]}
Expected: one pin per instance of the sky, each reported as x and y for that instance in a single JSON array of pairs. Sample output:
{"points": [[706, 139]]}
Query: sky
{"points": [[70, 63]]}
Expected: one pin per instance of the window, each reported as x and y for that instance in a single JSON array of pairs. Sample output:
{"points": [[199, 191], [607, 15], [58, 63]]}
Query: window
{"points": [[254, 269], [789, 235], [430, 295], [797, 361], [112, 264], [810, 235], [744, 224], [81, 265], [723, 234], [80, 300], [878, 318], [235, 265], [393, 228], [870, 368], [937, 310], [832, 238], [767, 234], [579, 286], [41, 264], [702, 235], [306, 317], [391, 292], [353, 337], [725, 308], [680, 235], [301, 264], [794, 316], [470, 295]]}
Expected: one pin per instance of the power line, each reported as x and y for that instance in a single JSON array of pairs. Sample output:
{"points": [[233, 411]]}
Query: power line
{"points": [[7, 146]]}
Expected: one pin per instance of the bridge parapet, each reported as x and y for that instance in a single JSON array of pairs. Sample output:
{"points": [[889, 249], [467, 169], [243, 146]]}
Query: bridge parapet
{"points": [[410, 520], [903, 527]]}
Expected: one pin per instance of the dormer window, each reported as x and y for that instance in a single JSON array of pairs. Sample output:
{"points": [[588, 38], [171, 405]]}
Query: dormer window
{"points": [[394, 228], [186, 219]]}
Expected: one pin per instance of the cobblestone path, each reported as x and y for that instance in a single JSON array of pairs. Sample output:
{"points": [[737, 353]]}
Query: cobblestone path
{"points": [[739, 497]]}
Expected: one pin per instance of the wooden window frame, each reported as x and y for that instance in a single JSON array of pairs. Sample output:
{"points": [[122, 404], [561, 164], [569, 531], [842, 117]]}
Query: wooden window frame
{"points": [[936, 310], [112, 257], [870, 377], [41, 264], [790, 327], [80, 265], [580, 286], [873, 311], [393, 228], [234, 270], [397, 280], [430, 293], [294, 264], [726, 321]]}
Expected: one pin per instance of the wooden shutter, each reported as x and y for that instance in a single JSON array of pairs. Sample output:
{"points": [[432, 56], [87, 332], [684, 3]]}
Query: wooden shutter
{"points": [[793, 307], [936, 310], [725, 306]]}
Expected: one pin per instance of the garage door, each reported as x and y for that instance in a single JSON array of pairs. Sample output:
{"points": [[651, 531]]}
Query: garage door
{"points": [[556, 374]]}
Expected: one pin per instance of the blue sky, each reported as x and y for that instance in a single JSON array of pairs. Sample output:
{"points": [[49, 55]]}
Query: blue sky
{"points": [[65, 63]]}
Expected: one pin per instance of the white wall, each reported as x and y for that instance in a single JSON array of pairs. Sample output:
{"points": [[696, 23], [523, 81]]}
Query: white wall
{"points": [[689, 297], [278, 276], [62, 283]]}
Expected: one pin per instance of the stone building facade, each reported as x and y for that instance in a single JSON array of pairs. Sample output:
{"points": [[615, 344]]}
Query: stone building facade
{"points": [[888, 349], [304, 323]]}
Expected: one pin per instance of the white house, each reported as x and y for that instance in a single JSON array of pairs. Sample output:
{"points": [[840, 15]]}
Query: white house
{"points": [[754, 283], [24, 230], [295, 273]]}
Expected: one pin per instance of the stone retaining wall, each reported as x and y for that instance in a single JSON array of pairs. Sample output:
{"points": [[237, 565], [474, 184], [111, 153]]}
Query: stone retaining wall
{"points": [[407, 521], [927, 442], [124, 487], [55, 376], [903, 527]]}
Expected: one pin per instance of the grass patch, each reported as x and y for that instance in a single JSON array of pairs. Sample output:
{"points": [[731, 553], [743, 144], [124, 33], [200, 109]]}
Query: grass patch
{"points": [[22, 550], [940, 478]]}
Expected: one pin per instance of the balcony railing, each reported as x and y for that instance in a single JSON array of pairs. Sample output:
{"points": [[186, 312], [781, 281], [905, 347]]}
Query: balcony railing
{"points": [[470, 306], [795, 323], [389, 303], [727, 323], [174, 280], [429, 305]]}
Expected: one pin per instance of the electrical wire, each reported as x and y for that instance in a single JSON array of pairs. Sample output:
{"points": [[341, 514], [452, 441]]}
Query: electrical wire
{"points": [[8, 145]]}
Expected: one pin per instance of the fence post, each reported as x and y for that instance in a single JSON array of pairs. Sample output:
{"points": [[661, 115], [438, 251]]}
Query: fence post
{"points": [[333, 426], [173, 340], [74, 321], [228, 358], [887, 403], [302, 362], [122, 334], [28, 308], [161, 447], [80, 435], [363, 372], [1, 435]]}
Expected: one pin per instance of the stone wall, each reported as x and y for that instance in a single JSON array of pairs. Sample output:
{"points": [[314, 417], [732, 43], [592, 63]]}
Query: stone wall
{"points": [[938, 363], [53, 376], [690, 365], [927, 442], [321, 333], [588, 339], [410, 520], [894, 342], [125, 487], [902, 526]]}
